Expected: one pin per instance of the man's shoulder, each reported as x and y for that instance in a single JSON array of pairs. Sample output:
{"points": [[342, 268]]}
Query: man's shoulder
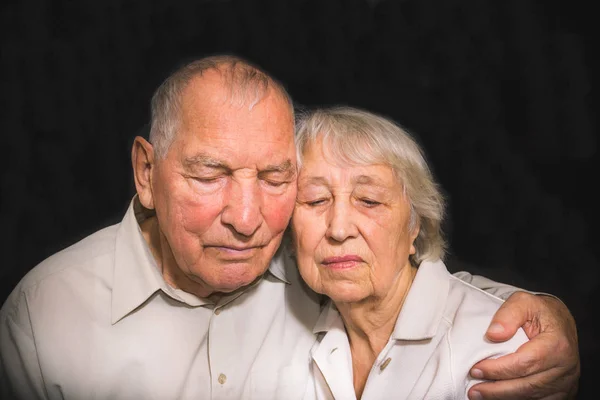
{"points": [[88, 258]]}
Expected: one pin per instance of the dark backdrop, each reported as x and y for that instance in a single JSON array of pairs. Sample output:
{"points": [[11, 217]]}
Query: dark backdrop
{"points": [[498, 92]]}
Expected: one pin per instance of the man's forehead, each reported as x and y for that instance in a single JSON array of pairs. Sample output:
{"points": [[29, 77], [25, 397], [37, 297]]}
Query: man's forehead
{"points": [[237, 137], [216, 113], [239, 130], [211, 131]]}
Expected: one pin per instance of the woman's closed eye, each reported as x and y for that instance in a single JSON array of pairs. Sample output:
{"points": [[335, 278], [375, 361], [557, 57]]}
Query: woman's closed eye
{"points": [[316, 202], [369, 202]]}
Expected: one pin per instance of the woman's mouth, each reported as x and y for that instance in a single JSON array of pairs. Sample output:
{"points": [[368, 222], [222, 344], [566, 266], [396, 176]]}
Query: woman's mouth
{"points": [[342, 262]]}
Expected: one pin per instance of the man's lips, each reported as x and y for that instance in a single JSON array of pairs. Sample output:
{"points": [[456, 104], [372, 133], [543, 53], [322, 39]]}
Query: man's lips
{"points": [[234, 252], [233, 248], [342, 262]]}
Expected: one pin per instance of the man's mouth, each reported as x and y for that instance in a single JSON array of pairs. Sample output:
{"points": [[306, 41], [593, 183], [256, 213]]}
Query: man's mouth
{"points": [[234, 252]]}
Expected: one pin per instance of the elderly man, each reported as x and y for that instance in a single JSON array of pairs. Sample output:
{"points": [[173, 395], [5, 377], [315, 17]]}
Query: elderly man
{"points": [[188, 297]]}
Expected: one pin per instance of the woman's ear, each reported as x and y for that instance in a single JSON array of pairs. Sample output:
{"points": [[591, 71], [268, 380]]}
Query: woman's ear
{"points": [[142, 159], [413, 238]]}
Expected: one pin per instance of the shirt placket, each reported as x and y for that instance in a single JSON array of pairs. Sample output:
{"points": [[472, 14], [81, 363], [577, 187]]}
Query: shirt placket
{"points": [[378, 372], [226, 377], [221, 367]]}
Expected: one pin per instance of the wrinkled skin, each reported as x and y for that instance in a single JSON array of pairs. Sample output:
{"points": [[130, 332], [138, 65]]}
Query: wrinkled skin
{"points": [[224, 192]]}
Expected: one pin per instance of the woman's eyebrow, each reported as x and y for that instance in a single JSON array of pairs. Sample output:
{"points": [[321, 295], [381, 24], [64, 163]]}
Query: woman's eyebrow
{"points": [[368, 180]]}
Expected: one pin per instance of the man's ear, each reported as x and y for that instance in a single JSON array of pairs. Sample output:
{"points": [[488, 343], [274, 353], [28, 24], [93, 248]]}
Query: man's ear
{"points": [[142, 159]]}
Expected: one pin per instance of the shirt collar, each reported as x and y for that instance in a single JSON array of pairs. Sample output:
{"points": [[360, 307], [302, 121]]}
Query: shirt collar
{"points": [[283, 264], [136, 275], [423, 307], [328, 318], [425, 303]]}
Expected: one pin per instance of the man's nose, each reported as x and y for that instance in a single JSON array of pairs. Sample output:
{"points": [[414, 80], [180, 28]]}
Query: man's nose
{"points": [[340, 224], [243, 211]]}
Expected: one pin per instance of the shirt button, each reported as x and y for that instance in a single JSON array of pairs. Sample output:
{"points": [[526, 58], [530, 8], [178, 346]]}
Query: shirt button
{"points": [[385, 364], [217, 311], [222, 379]]}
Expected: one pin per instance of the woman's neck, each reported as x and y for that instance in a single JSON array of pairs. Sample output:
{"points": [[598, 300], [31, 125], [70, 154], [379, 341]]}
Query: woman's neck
{"points": [[370, 323]]}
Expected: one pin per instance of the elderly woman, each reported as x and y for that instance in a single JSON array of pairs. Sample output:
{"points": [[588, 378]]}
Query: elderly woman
{"points": [[366, 233]]}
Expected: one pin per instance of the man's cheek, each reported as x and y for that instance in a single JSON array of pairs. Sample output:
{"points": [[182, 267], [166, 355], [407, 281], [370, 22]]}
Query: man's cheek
{"points": [[280, 212], [197, 217]]}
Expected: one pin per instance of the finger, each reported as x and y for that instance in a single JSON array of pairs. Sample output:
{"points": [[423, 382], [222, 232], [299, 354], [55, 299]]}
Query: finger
{"points": [[535, 356], [535, 387], [513, 314]]}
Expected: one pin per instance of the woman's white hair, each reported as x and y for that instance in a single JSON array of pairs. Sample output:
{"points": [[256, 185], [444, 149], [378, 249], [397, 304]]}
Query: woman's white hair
{"points": [[354, 136], [247, 85]]}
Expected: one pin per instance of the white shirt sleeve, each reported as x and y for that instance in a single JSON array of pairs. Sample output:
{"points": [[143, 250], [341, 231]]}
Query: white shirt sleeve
{"points": [[500, 290], [20, 373], [497, 289]]}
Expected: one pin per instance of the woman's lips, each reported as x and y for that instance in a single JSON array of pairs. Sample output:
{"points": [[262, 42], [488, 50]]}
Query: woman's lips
{"points": [[342, 262]]}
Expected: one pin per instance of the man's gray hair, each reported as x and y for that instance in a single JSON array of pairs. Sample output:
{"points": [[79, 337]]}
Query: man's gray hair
{"points": [[353, 136], [247, 85]]}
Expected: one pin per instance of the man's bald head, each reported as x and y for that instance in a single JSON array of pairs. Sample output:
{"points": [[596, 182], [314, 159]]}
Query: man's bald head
{"points": [[246, 84]]}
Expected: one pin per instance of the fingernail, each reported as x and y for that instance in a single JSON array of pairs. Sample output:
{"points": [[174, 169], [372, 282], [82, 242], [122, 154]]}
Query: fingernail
{"points": [[477, 374], [496, 328], [476, 396]]}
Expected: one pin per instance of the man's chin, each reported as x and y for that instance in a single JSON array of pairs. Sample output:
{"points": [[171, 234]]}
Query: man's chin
{"points": [[232, 285], [236, 277]]}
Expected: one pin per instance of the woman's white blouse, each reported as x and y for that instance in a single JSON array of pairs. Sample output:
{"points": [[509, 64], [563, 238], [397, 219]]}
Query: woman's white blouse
{"points": [[438, 337]]}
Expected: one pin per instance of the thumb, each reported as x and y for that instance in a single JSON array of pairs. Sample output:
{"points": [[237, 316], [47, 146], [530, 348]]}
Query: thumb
{"points": [[513, 314]]}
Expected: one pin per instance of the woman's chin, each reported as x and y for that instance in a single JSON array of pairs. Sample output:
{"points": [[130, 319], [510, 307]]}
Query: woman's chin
{"points": [[346, 293]]}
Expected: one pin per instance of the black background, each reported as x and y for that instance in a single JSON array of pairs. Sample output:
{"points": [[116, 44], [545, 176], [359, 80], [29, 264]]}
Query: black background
{"points": [[500, 94]]}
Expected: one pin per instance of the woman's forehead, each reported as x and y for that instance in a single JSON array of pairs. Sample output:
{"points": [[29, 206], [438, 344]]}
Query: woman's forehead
{"points": [[344, 152]]}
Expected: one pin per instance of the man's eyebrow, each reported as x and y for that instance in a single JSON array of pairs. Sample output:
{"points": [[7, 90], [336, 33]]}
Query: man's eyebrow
{"points": [[285, 167], [205, 161]]}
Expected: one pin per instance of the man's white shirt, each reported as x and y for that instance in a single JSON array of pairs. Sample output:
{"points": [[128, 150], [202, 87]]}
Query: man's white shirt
{"points": [[98, 321]]}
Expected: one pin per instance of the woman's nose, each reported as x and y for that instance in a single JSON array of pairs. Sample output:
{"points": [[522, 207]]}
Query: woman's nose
{"points": [[341, 225]]}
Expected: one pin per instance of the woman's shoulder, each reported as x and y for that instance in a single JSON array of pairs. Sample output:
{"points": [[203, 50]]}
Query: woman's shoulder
{"points": [[468, 313]]}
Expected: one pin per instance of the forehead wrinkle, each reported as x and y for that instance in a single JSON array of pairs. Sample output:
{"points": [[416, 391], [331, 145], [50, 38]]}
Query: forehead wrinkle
{"points": [[314, 180]]}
